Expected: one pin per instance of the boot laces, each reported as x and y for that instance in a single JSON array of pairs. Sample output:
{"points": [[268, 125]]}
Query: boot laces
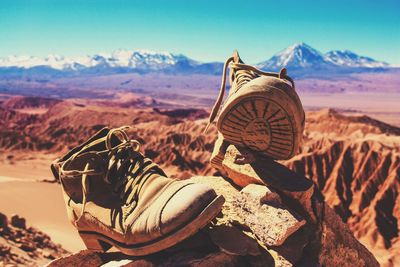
{"points": [[240, 75], [127, 169]]}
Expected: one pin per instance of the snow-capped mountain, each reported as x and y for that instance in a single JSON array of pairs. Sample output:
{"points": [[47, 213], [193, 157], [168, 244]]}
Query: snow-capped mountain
{"points": [[142, 59], [350, 59], [301, 57]]}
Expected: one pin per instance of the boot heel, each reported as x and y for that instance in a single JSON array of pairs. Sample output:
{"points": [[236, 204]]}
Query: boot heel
{"points": [[93, 243]]}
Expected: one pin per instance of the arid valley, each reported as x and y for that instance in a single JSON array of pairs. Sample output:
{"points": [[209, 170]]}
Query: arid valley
{"points": [[351, 151]]}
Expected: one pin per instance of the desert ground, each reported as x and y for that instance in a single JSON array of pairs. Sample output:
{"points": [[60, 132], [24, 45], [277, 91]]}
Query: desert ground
{"points": [[23, 193], [37, 202]]}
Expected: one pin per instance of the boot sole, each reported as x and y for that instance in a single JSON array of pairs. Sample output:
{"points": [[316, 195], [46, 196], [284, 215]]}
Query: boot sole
{"points": [[256, 122], [98, 242]]}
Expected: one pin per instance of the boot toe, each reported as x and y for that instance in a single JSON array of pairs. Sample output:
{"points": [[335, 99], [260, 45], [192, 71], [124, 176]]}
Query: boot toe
{"points": [[185, 205]]}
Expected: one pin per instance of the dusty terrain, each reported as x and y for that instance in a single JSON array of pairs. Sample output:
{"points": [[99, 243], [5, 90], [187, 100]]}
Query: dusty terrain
{"points": [[21, 244], [373, 93], [354, 159]]}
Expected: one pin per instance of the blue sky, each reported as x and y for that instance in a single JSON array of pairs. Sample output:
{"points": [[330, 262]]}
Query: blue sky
{"points": [[203, 30]]}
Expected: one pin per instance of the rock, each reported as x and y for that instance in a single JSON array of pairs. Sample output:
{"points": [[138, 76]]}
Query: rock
{"points": [[266, 171], [262, 194], [233, 241], [333, 243], [4, 249], [39, 238], [83, 258], [218, 153], [191, 259], [48, 255], [338, 245], [292, 250], [3, 221], [18, 221], [26, 246], [271, 224]]}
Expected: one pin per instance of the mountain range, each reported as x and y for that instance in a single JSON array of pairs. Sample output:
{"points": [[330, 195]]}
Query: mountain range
{"points": [[302, 56], [299, 59]]}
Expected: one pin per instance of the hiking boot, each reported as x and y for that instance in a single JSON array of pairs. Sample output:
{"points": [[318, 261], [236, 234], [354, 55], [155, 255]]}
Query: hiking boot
{"points": [[117, 197], [262, 111]]}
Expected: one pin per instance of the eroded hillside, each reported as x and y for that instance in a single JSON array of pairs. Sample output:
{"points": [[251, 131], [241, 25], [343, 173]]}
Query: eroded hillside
{"points": [[354, 160]]}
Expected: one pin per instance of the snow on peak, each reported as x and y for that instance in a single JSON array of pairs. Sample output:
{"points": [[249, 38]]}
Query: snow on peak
{"points": [[301, 55], [351, 59], [119, 58], [295, 56]]}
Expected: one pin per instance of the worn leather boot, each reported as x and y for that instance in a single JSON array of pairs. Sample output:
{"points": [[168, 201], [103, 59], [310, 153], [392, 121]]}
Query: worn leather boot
{"points": [[262, 112], [117, 197]]}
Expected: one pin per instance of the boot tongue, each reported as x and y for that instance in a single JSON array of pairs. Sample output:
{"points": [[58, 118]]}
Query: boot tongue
{"points": [[71, 179], [115, 140], [93, 152], [72, 183], [236, 57], [56, 165]]}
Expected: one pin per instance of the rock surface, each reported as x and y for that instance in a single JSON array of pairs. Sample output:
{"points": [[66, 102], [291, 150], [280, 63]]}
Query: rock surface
{"points": [[22, 245], [18, 221], [337, 245], [257, 227]]}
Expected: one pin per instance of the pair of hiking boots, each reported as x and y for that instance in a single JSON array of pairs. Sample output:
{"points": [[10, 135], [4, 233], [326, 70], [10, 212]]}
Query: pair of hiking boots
{"points": [[115, 196]]}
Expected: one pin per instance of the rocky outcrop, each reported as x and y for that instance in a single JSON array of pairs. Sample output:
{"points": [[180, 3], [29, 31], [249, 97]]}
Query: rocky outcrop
{"points": [[283, 221], [22, 245], [336, 244]]}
